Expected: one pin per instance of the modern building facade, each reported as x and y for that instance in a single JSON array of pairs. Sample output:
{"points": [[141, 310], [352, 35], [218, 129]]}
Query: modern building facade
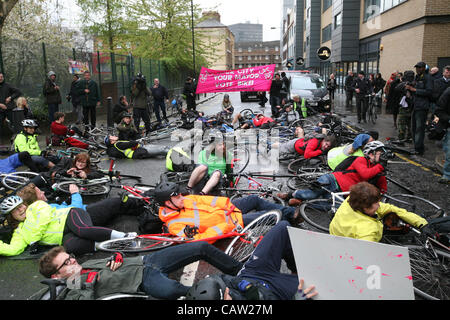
{"points": [[292, 30], [372, 35], [213, 33], [252, 54], [247, 32]]}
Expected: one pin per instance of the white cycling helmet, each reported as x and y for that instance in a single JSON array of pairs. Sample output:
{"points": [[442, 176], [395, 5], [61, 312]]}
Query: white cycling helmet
{"points": [[10, 203], [29, 123], [372, 147]]}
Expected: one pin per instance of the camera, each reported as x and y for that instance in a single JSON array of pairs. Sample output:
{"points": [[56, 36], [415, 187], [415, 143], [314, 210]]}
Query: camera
{"points": [[387, 155]]}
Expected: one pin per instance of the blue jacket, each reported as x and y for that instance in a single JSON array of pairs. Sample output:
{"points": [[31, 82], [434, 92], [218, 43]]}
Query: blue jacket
{"points": [[10, 164], [77, 202]]}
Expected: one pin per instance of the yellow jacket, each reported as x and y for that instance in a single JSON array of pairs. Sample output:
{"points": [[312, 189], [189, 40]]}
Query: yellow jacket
{"points": [[207, 213], [354, 224]]}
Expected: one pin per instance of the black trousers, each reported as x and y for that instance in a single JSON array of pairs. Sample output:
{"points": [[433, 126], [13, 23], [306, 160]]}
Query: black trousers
{"points": [[141, 113], [362, 103], [92, 112]]}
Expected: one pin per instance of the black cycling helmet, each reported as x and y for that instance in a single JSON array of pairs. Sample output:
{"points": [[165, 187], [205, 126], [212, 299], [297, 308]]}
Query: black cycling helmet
{"points": [[165, 190], [210, 288]]}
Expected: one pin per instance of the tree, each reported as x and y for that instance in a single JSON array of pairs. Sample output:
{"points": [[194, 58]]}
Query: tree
{"points": [[5, 8], [161, 30]]}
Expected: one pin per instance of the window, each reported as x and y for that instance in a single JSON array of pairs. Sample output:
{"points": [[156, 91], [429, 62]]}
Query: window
{"points": [[338, 20], [277, 49], [267, 57], [266, 49], [373, 8], [326, 4], [240, 58], [326, 33], [249, 49], [249, 58], [240, 50], [306, 83]]}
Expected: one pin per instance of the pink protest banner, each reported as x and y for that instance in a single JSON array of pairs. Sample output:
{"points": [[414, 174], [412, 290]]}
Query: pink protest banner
{"points": [[248, 79]]}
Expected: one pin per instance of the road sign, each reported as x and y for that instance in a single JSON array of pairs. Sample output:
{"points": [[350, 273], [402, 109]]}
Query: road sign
{"points": [[300, 61], [324, 53]]}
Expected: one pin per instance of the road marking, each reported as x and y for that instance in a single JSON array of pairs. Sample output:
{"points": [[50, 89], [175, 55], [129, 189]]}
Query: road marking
{"points": [[189, 272], [416, 164]]}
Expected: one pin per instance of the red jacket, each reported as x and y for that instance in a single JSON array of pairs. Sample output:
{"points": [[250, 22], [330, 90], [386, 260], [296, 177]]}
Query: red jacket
{"points": [[364, 171], [309, 149], [58, 129], [259, 122]]}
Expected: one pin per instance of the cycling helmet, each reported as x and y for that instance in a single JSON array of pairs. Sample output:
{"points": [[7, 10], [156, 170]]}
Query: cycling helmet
{"points": [[29, 123], [165, 190], [127, 114], [210, 288], [372, 147], [10, 203]]}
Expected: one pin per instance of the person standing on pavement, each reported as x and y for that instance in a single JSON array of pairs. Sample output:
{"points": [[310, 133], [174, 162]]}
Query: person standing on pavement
{"points": [[422, 91], [348, 90], [362, 87], [189, 93], [73, 95], [379, 86], [275, 94], [52, 95], [139, 101], [440, 84], [7, 96], [160, 96], [442, 118], [286, 84], [406, 105], [331, 87], [89, 98]]}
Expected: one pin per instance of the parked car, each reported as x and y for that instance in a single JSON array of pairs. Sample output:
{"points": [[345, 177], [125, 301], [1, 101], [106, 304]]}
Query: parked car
{"points": [[311, 87], [249, 96]]}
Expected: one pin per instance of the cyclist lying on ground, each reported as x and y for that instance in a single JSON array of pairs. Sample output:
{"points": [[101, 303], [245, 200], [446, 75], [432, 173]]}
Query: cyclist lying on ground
{"points": [[200, 217], [61, 133], [126, 128], [211, 168], [316, 146], [79, 167], [336, 155], [26, 140], [369, 168], [43, 224], [11, 163], [360, 214], [131, 149], [259, 279]]}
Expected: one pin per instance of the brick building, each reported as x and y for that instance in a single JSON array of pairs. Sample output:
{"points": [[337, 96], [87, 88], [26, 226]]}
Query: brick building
{"points": [[251, 54]]}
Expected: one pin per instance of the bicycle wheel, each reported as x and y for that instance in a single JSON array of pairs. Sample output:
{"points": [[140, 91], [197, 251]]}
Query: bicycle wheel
{"points": [[85, 189], [242, 247], [423, 207], [241, 159], [247, 114], [303, 181], [430, 275], [15, 180], [318, 213], [266, 196], [303, 165], [133, 245]]}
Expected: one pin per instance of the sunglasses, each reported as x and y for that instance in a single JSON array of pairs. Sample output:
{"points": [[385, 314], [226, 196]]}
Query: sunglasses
{"points": [[65, 263]]}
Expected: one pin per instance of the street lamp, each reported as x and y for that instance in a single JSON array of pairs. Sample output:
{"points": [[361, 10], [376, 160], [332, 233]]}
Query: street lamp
{"points": [[193, 42]]}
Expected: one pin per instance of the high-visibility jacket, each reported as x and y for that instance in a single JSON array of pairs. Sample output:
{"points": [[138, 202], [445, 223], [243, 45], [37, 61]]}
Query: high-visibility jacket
{"points": [[355, 224], [43, 224], [177, 157], [303, 108], [27, 142], [127, 152], [336, 155], [207, 213]]}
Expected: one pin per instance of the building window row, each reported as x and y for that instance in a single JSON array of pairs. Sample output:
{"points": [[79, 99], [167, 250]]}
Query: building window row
{"points": [[373, 8], [326, 4], [326, 33], [250, 58]]}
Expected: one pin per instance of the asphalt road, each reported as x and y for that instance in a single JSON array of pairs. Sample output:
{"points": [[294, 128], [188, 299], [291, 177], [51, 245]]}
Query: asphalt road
{"points": [[19, 277]]}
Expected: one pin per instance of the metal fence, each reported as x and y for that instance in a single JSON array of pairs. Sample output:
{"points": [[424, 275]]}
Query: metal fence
{"points": [[26, 64]]}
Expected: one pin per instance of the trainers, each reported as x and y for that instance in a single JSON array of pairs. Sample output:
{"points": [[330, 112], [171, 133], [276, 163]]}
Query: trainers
{"points": [[294, 202], [131, 235], [296, 218]]}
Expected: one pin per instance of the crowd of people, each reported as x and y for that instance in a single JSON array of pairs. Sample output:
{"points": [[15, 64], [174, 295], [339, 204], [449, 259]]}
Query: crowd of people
{"points": [[199, 211]]}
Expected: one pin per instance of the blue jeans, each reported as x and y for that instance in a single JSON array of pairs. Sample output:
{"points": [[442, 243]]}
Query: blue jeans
{"points": [[38, 160], [261, 206], [52, 108], [158, 265], [328, 181], [419, 117], [274, 247], [446, 147]]}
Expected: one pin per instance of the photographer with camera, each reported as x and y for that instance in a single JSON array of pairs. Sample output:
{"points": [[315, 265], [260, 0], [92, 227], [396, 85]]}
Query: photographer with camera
{"points": [[139, 101], [422, 91], [406, 105]]}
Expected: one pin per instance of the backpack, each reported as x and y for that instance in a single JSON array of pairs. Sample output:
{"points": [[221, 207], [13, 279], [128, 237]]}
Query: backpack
{"points": [[347, 162], [149, 223]]}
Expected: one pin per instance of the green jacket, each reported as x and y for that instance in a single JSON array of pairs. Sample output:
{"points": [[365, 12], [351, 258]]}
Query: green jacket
{"points": [[27, 142], [215, 163], [43, 224], [126, 279], [336, 155], [88, 99]]}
